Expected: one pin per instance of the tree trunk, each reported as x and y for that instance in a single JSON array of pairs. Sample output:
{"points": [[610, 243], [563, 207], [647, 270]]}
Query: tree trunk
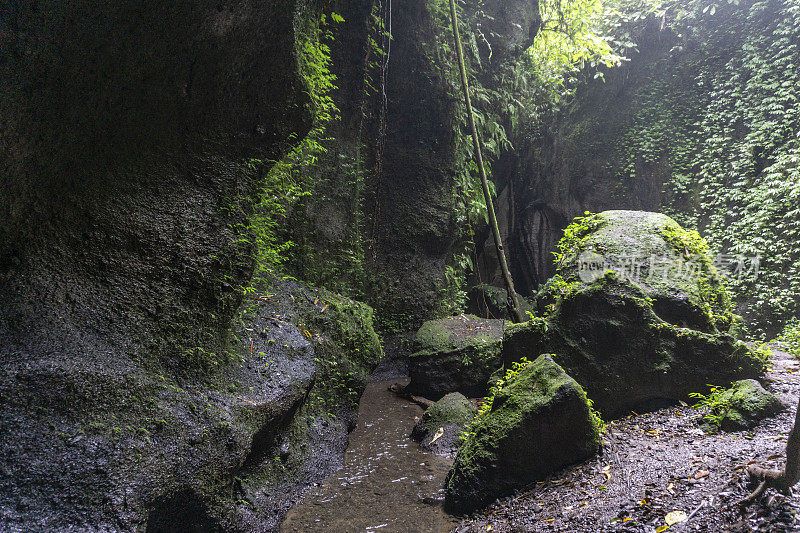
{"points": [[513, 304]]}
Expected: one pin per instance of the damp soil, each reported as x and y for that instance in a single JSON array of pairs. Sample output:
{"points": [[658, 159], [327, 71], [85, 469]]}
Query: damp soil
{"points": [[387, 484], [651, 465], [656, 463]]}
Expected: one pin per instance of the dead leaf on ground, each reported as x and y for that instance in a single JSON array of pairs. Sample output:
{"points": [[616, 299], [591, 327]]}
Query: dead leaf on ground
{"points": [[675, 517]]}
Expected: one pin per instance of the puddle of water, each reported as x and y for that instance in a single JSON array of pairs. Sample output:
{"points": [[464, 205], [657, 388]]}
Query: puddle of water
{"points": [[387, 484]]}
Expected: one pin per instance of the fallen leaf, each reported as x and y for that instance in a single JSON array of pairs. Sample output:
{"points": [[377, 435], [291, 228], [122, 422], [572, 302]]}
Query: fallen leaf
{"points": [[675, 517], [437, 435], [627, 518], [659, 529], [701, 474]]}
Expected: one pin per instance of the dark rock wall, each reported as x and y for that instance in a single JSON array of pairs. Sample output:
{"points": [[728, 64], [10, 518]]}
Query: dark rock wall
{"points": [[415, 226], [570, 163], [125, 130], [125, 135]]}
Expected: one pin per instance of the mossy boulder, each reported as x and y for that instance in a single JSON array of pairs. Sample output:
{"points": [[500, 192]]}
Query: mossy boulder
{"points": [[455, 354], [671, 265], [440, 427], [539, 421], [742, 406], [633, 342]]}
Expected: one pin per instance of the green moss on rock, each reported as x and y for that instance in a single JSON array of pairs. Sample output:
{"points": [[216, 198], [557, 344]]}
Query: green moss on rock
{"points": [[607, 335], [453, 409], [632, 333], [673, 266], [740, 407], [455, 354], [442, 424], [540, 421]]}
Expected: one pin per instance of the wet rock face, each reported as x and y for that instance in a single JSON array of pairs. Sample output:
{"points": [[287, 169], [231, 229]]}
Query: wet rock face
{"points": [[415, 208], [128, 398], [126, 133], [440, 427], [507, 28], [455, 354], [633, 341], [539, 422], [125, 448]]}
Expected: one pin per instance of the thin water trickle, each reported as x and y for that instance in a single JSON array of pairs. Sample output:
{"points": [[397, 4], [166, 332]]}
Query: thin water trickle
{"points": [[387, 484]]}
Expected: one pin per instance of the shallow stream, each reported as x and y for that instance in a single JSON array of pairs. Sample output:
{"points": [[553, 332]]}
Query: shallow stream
{"points": [[387, 484]]}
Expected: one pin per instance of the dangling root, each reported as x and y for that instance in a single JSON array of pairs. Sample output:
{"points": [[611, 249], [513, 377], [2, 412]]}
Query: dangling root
{"points": [[780, 480]]}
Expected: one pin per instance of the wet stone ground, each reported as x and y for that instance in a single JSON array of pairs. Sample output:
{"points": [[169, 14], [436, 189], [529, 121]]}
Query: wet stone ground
{"points": [[387, 484], [652, 464]]}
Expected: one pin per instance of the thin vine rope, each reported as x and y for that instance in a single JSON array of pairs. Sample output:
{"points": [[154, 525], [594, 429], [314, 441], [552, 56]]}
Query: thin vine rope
{"points": [[513, 304]]}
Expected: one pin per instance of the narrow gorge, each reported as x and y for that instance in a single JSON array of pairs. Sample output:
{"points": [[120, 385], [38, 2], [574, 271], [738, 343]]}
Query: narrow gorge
{"points": [[248, 280]]}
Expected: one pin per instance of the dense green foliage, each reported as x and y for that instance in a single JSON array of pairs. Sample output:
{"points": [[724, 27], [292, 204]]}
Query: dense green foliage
{"points": [[745, 172], [739, 407], [791, 338], [718, 118], [289, 179]]}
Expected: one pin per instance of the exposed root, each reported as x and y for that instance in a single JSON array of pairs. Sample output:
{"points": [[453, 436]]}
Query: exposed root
{"points": [[403, 393], [780, 480]]}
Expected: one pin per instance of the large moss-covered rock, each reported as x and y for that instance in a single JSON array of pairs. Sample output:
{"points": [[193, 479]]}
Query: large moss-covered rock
{"points": [[440, 427], [125, 448], [671, 265], [539, 422], [635, 339], [455, 354], [742, 406]]}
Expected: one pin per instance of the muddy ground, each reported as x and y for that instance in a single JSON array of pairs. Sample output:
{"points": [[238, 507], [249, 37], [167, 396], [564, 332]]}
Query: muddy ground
{"points": [[656, 463]]}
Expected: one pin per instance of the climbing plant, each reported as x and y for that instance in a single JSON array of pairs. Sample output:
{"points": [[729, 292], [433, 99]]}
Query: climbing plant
{"points": [[288, 180], [738, 180]]}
